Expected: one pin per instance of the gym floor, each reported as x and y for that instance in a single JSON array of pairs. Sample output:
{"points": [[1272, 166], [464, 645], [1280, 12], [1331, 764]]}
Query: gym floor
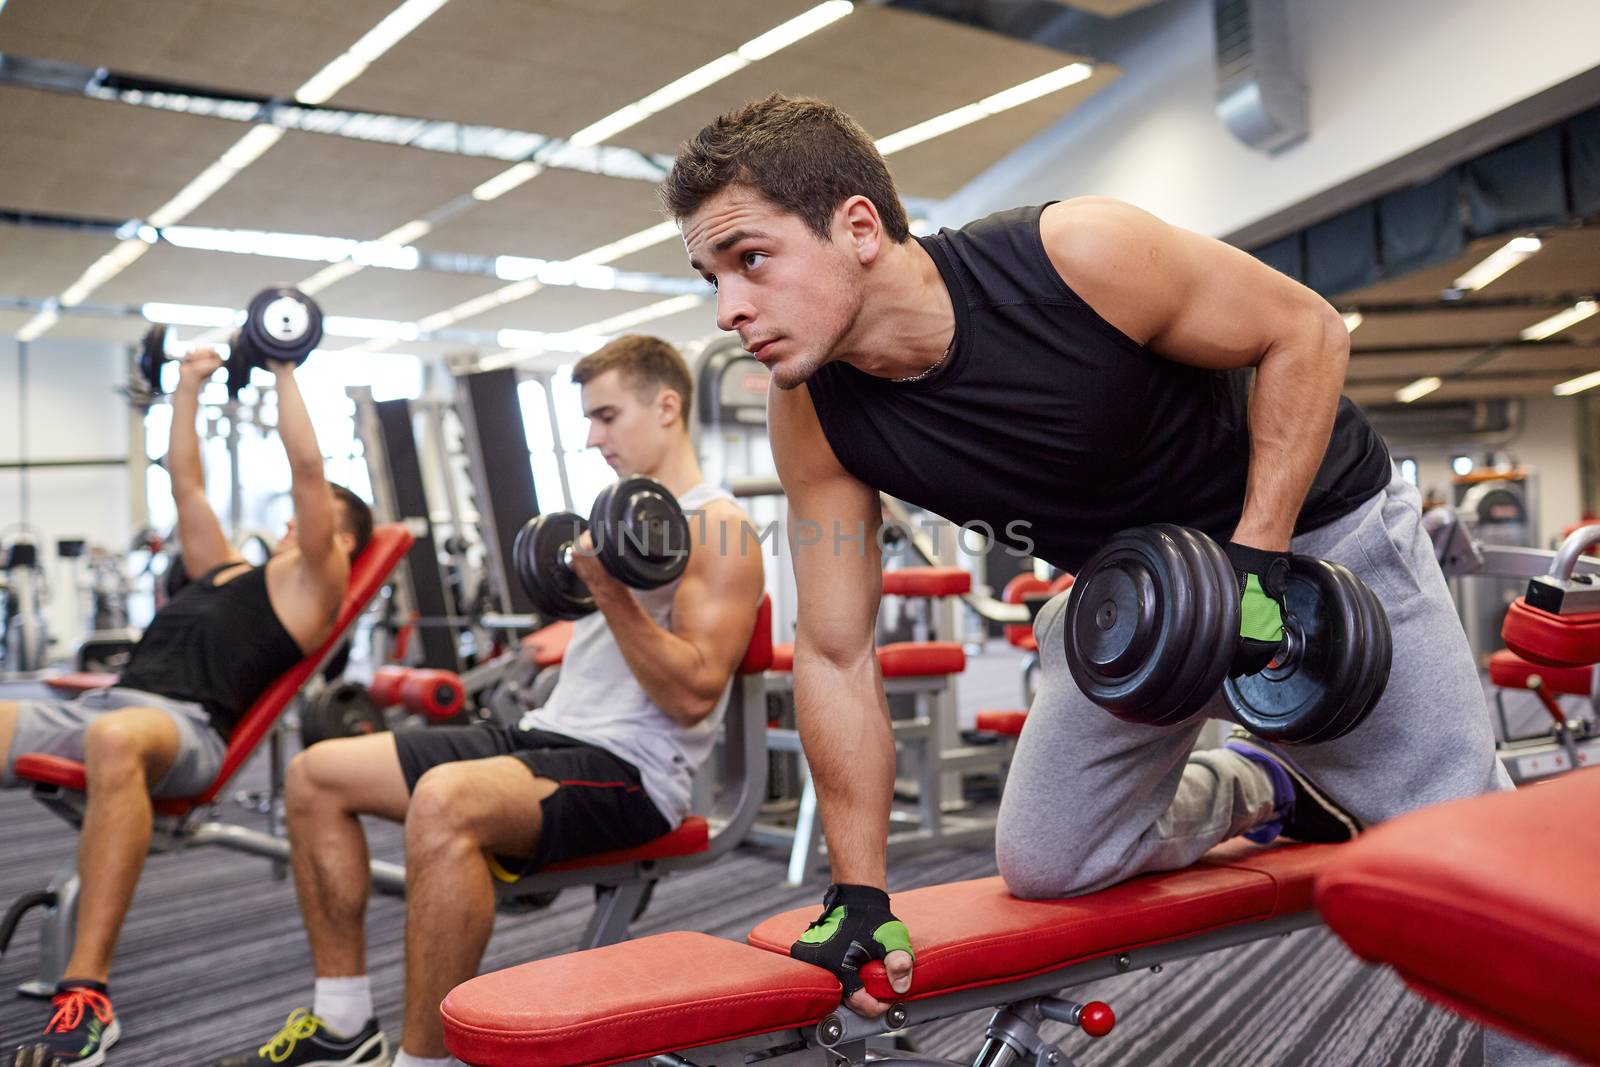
{"points": [[213, 957]]}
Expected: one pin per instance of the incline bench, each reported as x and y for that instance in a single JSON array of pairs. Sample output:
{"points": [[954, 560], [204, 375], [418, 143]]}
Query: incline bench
{"points": [[59, 783], [692, 1000]]}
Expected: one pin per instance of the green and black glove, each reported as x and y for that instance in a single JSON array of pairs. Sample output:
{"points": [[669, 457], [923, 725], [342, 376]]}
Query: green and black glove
{"points": [[856, 926], [1263, 579]]}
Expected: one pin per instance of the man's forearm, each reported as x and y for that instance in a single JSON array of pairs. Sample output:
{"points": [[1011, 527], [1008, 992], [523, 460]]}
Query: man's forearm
{"points": [[183, 443], [1292, 408], [844, 726], [672, 671], [294, 426]]}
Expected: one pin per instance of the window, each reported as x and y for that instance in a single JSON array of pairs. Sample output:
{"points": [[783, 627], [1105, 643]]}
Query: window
{"points": [[1408, 470]]}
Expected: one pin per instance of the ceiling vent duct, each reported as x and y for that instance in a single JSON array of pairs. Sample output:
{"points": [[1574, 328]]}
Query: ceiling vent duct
{"points": [[1462, 422], [1261, 89]]}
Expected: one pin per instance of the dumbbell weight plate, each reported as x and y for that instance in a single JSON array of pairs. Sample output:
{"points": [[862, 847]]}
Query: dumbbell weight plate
{"points": [[550, 583], [1328, 676], [281, 324], [641, 533], [152, 357], [1150, 624], [341, 710]]}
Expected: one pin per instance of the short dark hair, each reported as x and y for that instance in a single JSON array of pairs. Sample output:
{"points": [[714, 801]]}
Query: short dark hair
{"points": [[646, 364], [357, 518], [804, 155]]}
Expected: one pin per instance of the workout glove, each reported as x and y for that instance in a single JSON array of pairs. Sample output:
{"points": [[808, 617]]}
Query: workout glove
{"points": [[856, 926], [1263, 578]]}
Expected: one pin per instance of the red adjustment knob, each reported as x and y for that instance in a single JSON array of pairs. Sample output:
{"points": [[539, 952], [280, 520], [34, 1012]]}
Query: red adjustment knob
{"points": [[435, 693], [386, 682], [1097, 1018]]}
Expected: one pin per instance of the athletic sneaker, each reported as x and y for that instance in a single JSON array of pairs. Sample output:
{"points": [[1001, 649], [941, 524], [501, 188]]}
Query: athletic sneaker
{"points": [[306, 1041], [1303, 812], [82, 1027]]}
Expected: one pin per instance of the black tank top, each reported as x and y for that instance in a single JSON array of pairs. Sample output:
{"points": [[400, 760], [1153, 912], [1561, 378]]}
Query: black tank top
{"points": [[1046, 423], [220, 646]]}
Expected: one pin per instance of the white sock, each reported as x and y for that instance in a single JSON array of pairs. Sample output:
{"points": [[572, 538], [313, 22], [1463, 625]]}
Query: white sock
{"points": [[406, 1059], [345, 1004]]}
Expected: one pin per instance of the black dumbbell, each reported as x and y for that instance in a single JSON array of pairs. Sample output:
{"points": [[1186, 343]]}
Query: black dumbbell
{"points": [[1153, 625], [152, 357], [280, 325], [640, 535]]}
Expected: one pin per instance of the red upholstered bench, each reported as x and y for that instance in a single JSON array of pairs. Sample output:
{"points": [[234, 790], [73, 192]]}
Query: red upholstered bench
{"points": [[976, 945], [81, 681], [1511, 671], [899, 659], [1486, 905], [548, 645], [927, 582], [60, 783], [1004, 723]]}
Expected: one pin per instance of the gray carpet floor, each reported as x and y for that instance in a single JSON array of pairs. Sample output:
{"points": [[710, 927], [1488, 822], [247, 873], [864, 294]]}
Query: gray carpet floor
{"points": [[212, 957]]}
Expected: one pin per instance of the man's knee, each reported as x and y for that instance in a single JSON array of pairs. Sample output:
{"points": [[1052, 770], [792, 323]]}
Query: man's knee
{"points": [[323, 778], [114, 746], [441, 807]]}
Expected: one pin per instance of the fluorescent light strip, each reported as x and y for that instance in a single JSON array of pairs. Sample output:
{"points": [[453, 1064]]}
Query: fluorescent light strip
{"points": [[1005, 100], [659, 310], [1498, 262], [1573, 315], [1578, 384], [678, 90], [189, 314], [249, 148], [37, 325], [626, 246], [1417, 389]]}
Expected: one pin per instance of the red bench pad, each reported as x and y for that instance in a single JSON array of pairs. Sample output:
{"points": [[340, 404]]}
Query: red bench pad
{"points": [[972, 934], [927, 582], [81, 681], [691, 836], [1486, 905], [1509, 670], [901, 659], [1005, 723], [548, 645], [632, 1001], [69, 774]]}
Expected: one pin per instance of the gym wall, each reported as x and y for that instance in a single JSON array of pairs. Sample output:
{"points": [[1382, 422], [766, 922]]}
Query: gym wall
{"points": [[69, 412], [1153, 137]]}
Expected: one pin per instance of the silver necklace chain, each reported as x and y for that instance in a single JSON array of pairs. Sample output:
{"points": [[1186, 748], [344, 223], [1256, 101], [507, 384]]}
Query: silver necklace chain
{"points": [[918, 377]]}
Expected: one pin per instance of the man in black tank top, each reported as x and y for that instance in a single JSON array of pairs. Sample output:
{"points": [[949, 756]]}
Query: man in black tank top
{"points": [[1059, 374], [206, 657]]}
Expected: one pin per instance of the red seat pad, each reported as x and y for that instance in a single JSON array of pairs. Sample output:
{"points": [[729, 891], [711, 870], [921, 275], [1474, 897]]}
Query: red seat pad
{"points": [[1008, 723], [1552, 640], [631, 1001], [549, 644], [81, 681], [902, 659], [1508, 669], [69, 774], [921, 659], [691, 836], [972, 934], [927, 581], [1486, 905]]}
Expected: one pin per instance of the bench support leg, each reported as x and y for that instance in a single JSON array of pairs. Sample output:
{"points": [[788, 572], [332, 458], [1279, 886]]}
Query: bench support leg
{"points": [[56, 935], [613, 911]]}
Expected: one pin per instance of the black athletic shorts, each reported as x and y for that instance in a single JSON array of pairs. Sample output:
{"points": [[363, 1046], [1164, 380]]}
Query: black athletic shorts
{"points": [[600, 806]]}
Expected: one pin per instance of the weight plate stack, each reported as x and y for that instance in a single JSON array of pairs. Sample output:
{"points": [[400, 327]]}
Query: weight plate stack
{"points": [[152, 357], [1334, 664], [1151, 624], [548, 579], [640, 532]]}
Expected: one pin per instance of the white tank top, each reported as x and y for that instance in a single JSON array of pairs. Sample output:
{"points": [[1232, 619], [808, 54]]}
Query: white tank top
{"points": [[598, 700]]}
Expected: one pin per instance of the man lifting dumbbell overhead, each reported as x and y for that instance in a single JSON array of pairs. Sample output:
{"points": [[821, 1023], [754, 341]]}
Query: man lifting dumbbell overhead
{"points": [[1082, 367], [206, 656], [605, 763]]}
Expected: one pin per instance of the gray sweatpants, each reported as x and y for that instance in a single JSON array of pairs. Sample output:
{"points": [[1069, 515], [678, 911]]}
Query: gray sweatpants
{"points": [[1092, 800]]}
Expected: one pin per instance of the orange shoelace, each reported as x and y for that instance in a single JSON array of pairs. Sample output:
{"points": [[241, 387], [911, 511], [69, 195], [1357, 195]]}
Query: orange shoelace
{"points": [[69, 1005]]}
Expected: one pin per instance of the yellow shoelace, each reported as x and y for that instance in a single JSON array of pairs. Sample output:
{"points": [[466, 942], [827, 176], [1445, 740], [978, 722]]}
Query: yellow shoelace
{"points": [[300, 1025]]}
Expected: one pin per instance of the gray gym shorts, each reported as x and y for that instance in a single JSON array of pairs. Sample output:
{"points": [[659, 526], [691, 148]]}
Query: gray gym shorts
{"points": [[53, 727]]}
